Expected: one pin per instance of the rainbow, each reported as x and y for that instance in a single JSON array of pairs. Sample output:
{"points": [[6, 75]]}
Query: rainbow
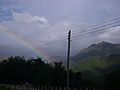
{"points": [[24, 42]]}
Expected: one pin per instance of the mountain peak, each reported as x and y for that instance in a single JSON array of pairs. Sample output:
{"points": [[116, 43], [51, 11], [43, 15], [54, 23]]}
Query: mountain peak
{"points": [[104, 43], [98, 50]]}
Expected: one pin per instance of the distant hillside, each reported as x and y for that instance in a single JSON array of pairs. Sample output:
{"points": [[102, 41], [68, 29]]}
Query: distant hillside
{"points": [[97, 60], [97, 50], [98, 64]]}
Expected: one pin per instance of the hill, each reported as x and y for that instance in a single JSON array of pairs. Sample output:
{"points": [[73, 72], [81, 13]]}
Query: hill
{"points": [[97, 60], [97, 50]]}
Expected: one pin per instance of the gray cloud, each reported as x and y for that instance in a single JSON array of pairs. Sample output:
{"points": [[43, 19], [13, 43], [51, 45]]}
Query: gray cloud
{"points": [[30, 31], [38, 34]]}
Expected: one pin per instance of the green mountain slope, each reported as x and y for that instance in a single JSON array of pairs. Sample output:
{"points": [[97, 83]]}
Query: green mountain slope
{"points": [[97, 60], [98, 63]]}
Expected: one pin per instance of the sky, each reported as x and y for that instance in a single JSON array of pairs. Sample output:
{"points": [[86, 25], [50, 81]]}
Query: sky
{"points": [[26, 27]]}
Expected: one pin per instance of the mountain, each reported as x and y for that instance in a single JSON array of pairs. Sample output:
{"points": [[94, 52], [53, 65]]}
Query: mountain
{"points": [[97, 50], [97, 60]]}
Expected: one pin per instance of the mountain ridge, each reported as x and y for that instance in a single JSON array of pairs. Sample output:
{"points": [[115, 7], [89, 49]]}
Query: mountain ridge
{"points": [[97, 60], [97, 50]]}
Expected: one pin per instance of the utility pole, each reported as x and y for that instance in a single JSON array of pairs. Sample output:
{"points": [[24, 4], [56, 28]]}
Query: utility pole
{"points": [[68, 58]]}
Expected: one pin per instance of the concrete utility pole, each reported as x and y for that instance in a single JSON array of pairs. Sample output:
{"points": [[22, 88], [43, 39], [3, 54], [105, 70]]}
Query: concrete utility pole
{"points": [[68, 58]]}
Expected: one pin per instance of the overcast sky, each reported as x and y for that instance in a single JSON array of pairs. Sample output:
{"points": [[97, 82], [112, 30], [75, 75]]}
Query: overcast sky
{"points": [[27, 25]]}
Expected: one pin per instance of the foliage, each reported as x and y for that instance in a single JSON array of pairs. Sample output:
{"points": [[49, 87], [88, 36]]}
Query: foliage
{"points": [[113, 79], [18, 70]]}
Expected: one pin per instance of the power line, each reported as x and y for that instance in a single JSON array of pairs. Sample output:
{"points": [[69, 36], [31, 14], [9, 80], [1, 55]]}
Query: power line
{"points": [[98, 25], [104, 25], [94, 31], [59, 41], [56, 39], [57, 44], [86, 36], [83, 30], [94, 28]]}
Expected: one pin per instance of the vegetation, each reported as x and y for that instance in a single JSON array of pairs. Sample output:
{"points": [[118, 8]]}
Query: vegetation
{"points": [[97, 56], [96, 69], [96, 61], [18, 70], [93, 64], [113, 79]]}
